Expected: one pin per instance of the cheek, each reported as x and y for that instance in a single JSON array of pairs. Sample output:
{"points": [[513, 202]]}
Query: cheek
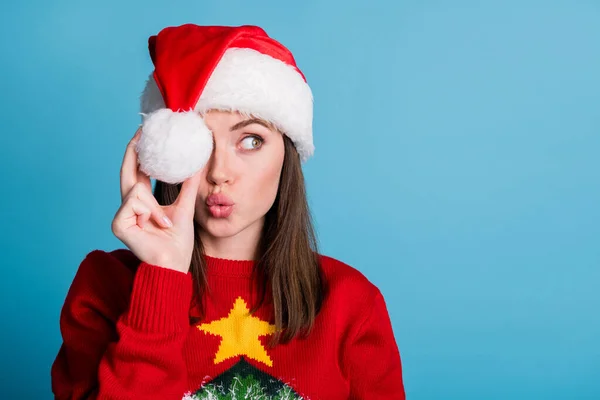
{"points": [[263, 177], [264, 188]]}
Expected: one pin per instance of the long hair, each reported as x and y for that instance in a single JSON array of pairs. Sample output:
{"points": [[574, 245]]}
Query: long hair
{"points": [[288, 262]]}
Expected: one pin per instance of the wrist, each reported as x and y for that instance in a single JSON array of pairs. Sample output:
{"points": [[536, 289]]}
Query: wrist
{"points": [[168, 264]]}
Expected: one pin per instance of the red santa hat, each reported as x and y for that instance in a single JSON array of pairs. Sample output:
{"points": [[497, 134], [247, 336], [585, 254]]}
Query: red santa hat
{"points": [[199, 68]]}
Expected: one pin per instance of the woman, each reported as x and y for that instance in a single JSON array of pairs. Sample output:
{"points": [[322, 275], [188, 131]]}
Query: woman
{"points": [[222, 291]]}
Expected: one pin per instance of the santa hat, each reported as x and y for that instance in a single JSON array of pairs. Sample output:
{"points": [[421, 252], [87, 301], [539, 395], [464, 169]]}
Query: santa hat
{"points": [[198, 68]]}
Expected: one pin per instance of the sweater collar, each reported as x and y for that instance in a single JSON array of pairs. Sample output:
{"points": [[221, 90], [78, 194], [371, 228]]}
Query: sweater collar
{"points": [[227, 267]]}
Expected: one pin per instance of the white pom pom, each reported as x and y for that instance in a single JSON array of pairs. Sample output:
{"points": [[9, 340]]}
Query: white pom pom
{"points": [[173, 146]]}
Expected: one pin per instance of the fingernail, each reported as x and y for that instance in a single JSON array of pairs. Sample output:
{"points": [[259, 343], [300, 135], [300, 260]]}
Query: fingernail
{"points": [[167, 221], [134, 140]]}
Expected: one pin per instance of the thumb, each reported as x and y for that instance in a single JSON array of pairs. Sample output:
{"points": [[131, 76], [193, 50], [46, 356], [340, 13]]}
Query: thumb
{"points": [[186, 201]]}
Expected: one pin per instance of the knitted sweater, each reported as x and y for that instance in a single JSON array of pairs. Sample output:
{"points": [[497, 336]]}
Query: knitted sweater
{"points": [[127, 335]]}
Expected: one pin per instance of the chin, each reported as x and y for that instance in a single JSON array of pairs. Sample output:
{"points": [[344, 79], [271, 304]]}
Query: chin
{"points": [[221, 227]]}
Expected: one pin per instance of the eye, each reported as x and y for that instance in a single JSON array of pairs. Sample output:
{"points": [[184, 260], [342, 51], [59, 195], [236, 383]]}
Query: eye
{"points": [[254, 141]]}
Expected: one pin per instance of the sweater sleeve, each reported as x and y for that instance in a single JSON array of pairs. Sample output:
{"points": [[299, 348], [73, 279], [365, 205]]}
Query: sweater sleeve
{"points": [[372, 358], [123, 332]]}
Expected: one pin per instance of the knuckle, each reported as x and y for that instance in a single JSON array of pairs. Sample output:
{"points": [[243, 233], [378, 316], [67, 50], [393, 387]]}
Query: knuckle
{"points": [[139, 187], [133, 192], [133, 202], [116, 228], [140, 207]]}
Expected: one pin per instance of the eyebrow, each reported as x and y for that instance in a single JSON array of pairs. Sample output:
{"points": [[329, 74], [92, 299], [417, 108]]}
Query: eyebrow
{"points": [[250, 121]]}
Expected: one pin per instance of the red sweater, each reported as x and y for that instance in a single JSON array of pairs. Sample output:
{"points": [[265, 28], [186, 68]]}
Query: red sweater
{"points": [[126, 335]]}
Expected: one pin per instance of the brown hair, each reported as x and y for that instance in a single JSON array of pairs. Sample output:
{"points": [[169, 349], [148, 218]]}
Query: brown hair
{"points": [[288, 254]]}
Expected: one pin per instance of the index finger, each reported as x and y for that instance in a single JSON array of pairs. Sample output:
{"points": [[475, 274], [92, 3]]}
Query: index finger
{"points": [[186, 201], [130, 165]]}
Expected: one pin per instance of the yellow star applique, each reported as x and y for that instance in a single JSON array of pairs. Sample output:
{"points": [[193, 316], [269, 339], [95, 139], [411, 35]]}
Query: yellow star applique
{"points": [[239, 332]]}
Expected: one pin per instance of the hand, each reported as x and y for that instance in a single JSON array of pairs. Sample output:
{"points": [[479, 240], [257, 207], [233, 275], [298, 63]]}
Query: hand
{"points": [[158, 235]]}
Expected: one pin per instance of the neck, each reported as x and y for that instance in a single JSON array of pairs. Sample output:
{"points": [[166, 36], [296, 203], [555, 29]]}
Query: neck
{"points": [[241, 246]]}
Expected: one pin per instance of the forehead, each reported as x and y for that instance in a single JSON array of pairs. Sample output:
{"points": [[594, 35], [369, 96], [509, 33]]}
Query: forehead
{"points": [[225, 119]]}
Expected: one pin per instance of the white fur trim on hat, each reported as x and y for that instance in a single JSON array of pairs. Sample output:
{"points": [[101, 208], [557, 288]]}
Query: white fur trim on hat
{"points": [[247, 81]]}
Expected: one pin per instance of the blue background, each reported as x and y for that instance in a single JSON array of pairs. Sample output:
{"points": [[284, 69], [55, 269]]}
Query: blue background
{"points": [[457, 166]]}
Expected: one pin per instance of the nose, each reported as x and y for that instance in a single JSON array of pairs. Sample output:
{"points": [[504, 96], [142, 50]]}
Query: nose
{"points": [[219, 168]]}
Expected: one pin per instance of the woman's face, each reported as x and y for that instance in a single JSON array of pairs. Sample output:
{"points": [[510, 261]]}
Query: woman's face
{"points": [[245, 166]]}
